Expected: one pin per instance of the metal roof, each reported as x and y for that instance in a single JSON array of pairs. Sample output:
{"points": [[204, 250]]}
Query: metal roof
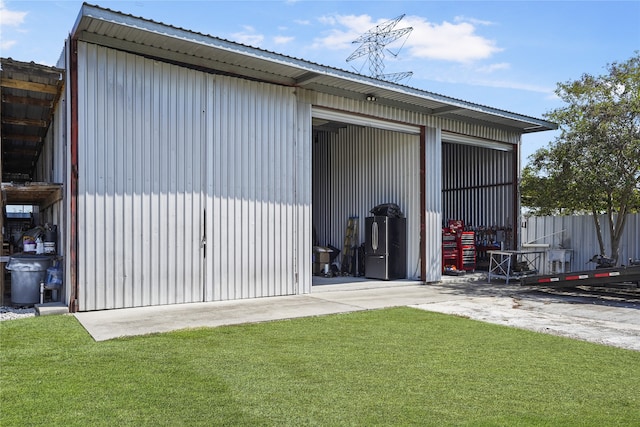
{"points": [[167, 43], [29, 95]]}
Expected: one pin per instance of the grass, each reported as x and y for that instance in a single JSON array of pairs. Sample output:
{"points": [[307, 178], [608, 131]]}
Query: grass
{"points": [[397, 367]]}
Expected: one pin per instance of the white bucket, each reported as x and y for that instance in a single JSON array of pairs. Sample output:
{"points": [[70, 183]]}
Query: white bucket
{"points": [[29, 247]]}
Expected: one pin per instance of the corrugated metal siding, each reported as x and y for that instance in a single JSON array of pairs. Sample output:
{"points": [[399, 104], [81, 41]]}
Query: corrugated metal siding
{"points": [[477, 185], [196, 152], [256, 183], [404, 116], [303, 191], [579, 234], [433, 205], [141, 163], [167, 153], [359, 168], [49, 169]]}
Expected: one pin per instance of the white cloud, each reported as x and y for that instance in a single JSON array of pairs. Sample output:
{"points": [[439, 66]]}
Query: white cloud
{"points": [[248, 37], [11, 18], [506, 84], [487, 69], [448, 41], [471, 20], [350, 27], [7, 44], [283, 39], [454, 42], [327, 20], [470, 78]]}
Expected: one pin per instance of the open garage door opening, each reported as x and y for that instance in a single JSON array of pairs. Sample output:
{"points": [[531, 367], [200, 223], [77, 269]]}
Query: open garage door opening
{"points": [[479, 199], [360, 163]]}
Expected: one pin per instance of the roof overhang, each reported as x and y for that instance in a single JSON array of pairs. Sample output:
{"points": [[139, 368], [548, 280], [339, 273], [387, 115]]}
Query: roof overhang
{"points": [[167, 43]]}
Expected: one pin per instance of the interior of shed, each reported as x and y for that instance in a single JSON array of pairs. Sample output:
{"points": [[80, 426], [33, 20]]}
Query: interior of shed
{"points": [[364, 179], [478, 204], [29, 93]]}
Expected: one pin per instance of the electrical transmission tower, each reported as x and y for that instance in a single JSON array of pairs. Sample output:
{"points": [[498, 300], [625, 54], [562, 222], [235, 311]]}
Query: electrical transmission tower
{"points": [[373, 43]]}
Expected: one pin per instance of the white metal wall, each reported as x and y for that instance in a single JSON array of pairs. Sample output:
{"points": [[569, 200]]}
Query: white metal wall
{"points": [[579, 234], [50, 166], [141, 128], [304, 191], [259, 190], [433, 204], [167, 155], [420, 119]]}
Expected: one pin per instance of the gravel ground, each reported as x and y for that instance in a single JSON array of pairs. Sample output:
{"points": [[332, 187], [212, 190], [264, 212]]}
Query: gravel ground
{"points": [[605, 315], [10, 313]]}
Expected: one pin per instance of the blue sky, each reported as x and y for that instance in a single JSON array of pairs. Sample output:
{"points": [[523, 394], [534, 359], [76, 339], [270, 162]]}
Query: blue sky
{"points": [[504, 54]]}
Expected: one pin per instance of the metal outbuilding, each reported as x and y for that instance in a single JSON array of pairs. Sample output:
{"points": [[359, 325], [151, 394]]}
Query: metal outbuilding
{"points": [[199, 169]]}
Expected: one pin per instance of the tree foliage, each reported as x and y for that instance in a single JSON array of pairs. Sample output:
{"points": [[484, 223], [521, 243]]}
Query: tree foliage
{"points": [[593, 166]]}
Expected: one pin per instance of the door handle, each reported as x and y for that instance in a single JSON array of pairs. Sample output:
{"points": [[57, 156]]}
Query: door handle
{"points": [[374, 236]]}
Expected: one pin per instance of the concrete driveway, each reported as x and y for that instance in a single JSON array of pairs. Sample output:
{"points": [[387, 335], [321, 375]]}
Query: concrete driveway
{"points": [[611, 318]]}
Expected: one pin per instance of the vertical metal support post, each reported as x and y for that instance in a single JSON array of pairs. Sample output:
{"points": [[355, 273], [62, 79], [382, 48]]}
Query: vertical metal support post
{"points": [[423, 203], [516, 195], [73, 241]]}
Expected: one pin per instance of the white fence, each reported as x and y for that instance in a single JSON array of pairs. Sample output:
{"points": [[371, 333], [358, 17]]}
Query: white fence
{"points": [[578, 233]]}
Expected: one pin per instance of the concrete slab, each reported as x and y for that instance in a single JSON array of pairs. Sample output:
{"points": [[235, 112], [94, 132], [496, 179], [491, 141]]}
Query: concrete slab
{"points": [[609, 322], [49, 308], [109, 324], [383, 297], [330, 299]]}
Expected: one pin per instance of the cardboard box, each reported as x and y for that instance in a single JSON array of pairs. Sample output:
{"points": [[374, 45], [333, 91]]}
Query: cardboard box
{"points": [[322, 255]]}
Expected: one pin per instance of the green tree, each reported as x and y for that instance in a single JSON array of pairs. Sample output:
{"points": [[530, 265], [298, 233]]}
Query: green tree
{"points": [[593, 166]]}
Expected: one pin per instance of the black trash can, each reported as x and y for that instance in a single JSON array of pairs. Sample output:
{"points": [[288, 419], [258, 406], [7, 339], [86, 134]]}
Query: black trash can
{"points": [[27, 272]]}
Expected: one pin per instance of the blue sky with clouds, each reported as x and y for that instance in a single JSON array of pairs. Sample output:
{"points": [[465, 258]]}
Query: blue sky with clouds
{"points": [[504, 54]]}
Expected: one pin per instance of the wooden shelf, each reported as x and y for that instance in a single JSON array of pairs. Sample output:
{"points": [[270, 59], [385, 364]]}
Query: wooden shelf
{"points": [[42, 194]]}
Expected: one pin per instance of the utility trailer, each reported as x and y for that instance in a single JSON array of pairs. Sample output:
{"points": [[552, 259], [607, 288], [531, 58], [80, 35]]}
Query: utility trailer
{"points": [[601, 276]]}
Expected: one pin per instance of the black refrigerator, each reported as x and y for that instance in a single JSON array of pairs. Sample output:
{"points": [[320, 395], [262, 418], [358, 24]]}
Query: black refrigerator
{"points": [[385, 248]]}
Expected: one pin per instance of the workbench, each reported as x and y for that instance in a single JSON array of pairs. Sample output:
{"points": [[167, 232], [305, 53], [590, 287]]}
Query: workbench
{"points": [[509, 265]]}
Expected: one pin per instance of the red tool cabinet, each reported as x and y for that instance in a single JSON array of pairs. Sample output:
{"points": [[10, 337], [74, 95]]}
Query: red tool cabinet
{"points": [[458, 248]]}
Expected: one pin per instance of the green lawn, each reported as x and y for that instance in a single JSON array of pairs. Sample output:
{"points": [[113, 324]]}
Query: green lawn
{"points": [[395, 367]]}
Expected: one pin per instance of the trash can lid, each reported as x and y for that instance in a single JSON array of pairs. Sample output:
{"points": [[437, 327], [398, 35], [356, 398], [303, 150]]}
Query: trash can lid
{"points": [[28, 262]]}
